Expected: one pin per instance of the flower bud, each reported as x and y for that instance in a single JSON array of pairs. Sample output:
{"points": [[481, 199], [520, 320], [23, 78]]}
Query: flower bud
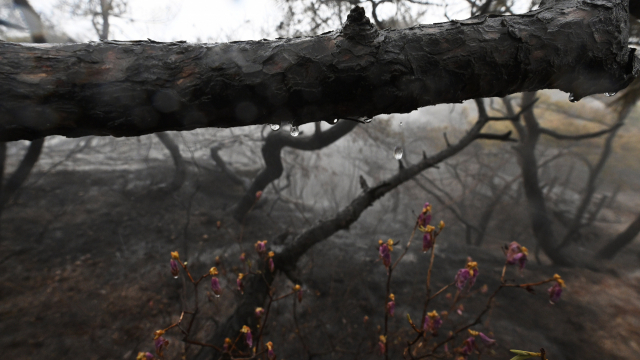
{"points": [[218, 224], [161, 344], [247, 335], [271, 355], [215, 286], [158, 334], [258, 195], [175, 270], [227, 345], [213, 271], [144, 356], [175, 256], [259, 312], [239, 283], [243, 257]]}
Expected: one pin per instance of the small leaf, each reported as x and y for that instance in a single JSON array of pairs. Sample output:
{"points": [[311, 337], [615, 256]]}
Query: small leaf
{"points": [[522, 355]]}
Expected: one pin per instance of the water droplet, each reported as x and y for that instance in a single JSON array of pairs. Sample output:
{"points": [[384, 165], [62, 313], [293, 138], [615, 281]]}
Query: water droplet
{"points": [[400, 123], [397, 152], [175, 277], [367, 120], [295, 131], [275, 127], [572, 98], [216, 295], [335, 121], [610, 93]]}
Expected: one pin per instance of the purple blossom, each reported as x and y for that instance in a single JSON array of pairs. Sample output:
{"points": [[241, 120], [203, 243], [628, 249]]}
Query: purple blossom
{"points": [[261, 247], [271, 355], [144, 356], [467, 275], [467, 347], [239, 283], [517, 254], [385, 255], [555, 292], [161, 344], [215, 286], [391, 307], [259, 312], [272, 265], [486, 340], [247, 335], [432, 322], [175, 270], [427, 242]]}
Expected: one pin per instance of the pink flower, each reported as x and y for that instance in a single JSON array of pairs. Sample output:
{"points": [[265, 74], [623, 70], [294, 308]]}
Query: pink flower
{"points": [[271, 355], [239, 283], [556, 290], [161, 344], [517, 254], [259, 312], [467, 347], [432, 322], [261, 247], [467, 275], [247, 335], [391, 305], [486, 340], [385, 255], [272, 265], [175, 270], [215, 286], [427, 241]]}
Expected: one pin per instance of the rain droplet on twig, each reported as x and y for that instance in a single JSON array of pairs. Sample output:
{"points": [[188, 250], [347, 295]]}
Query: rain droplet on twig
{"points": [[397, 152], [275, 127], [572, 98], [294, 131]]}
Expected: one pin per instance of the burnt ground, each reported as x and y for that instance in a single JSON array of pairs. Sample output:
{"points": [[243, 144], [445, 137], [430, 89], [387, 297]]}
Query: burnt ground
{"points": [[84, 273]]}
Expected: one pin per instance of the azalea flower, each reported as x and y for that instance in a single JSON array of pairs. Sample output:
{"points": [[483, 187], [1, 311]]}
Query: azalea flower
{"points": [[432, 322], [467, 275], [517, 253], [555, 291]]}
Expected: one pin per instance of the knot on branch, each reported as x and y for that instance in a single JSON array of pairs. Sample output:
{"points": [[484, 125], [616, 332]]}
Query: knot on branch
{"points": [[358, 27]]}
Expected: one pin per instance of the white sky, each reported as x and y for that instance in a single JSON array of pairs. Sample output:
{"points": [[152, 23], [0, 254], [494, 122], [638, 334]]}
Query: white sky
{"points": [[194, 20]]}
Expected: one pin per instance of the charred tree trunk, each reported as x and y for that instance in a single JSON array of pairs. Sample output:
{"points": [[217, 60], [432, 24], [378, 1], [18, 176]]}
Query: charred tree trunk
{"points": [[22, 172], [139, 87], [540, 222], [273, 169], [7, 190], [610, 250], [181, 167]]}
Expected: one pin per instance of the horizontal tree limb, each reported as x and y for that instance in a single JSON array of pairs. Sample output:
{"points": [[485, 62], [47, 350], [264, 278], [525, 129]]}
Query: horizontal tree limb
{"points": [[139, 87]]}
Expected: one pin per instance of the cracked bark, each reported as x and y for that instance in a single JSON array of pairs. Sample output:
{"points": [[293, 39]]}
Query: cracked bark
{"points": [[139, 87]]}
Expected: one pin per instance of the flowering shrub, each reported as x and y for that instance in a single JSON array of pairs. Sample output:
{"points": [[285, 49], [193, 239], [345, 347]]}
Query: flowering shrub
{"points": [[461, 342]]}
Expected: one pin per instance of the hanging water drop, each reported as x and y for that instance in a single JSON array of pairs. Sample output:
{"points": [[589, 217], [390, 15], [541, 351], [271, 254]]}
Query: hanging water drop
{"points": [[572, 98], [610, 93], [175, 277], [397, 152], [400, 123], [367, 120], [275, 127], [294, 131], [335, 121]]}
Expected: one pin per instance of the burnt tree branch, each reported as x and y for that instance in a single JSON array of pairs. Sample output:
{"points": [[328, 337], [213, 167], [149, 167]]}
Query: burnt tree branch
{"points": [[139, 87], [271, 152], [287, 258]]}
